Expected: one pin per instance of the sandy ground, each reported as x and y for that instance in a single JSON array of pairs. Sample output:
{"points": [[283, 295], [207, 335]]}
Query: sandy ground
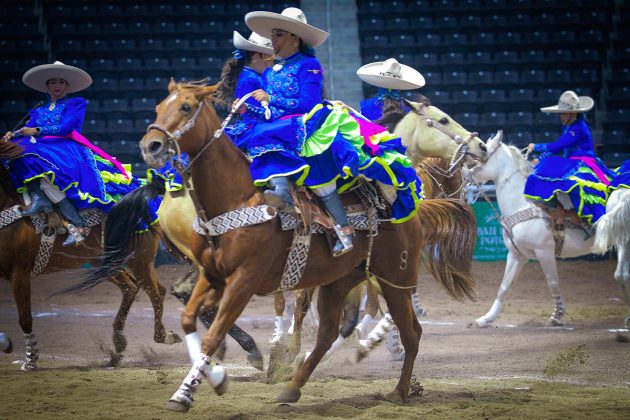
{"points": [[520, 368]]}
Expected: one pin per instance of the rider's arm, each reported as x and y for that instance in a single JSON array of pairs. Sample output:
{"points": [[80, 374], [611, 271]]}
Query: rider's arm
{"points": [[310, 81], [569, 138], [71, 119]]}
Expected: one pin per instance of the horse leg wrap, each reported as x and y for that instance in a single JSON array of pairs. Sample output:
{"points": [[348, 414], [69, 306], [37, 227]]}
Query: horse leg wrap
{"points": [[278, 332], [193, 344], [394, 346], [363, 325], [182, 399], [558, 311], [417, 306], [32, 352], [375, 336]]}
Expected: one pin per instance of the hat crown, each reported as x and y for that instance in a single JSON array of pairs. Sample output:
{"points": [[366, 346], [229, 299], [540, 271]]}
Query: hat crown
{"points": [[391, 68], [294, 13], [254, 38], [569, 100], [59, 63]]}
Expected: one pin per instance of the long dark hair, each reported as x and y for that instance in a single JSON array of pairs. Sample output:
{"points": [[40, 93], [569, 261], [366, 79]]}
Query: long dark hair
{"points": [[230, 73]]}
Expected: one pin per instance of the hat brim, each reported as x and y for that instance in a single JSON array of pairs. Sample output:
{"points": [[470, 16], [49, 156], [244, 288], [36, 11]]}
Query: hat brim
{"points": [[585, 104], [242, 43], [37, 77], [410, 77], [264, 22]]}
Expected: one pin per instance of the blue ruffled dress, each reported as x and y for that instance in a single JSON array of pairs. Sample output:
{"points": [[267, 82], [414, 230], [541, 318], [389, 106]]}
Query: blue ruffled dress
{"points": [[88, 180], [569, 165], [622, 177], [316, 143]]}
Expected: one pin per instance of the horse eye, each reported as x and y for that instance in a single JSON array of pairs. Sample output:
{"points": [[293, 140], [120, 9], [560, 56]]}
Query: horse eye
{"points": [[444, 120], [185, 108]]}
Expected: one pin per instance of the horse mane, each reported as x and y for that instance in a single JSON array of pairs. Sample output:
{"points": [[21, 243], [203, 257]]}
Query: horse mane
{"points": [[523, 165], [394, 116], [6, 186]]}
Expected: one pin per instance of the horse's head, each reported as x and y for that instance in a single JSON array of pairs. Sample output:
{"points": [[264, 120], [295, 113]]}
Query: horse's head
{"points": [[428, 131], [501, 162], [178, 116]]}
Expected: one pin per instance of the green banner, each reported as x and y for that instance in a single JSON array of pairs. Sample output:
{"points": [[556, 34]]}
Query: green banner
{"points": [[490, 246]]}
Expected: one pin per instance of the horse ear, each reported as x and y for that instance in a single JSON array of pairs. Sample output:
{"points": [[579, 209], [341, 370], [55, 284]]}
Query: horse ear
{"points": [[411, 104], [208, 90], [171, 85]]}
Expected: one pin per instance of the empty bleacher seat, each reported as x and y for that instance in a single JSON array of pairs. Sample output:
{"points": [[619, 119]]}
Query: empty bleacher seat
{"points": [[492, 95]]}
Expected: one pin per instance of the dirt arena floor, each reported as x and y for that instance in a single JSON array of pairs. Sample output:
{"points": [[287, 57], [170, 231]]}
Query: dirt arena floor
{"points": [[520, 368]]}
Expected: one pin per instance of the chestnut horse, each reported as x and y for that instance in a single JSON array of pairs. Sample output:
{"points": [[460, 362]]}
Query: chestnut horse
{"points": [[234, 268], [19, 245]]}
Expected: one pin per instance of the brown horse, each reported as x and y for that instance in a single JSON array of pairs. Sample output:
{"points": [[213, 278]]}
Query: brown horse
{"points": [[19, 245], [250, 260]]}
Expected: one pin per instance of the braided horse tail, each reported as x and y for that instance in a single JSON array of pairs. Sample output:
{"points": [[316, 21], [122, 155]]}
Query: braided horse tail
{"points": [[449, 230]]}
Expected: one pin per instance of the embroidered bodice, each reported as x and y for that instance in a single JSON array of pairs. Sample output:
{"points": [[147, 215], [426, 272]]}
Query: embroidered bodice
{"points": [[59, 118], [294, 85], [372, 108], [575, 140]]}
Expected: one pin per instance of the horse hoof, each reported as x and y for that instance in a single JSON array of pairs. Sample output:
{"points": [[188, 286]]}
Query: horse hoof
{"points": [[28, 367], [289, 395], [222, 387], [8, 346], [172, 338], [177, 406], [256, 359], [556, 322], [482, 323], [626, 323], [361, 353], [394, 397], [120, 342]]}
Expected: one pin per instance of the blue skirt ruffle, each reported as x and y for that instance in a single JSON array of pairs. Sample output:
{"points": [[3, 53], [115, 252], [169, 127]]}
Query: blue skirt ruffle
{"points": [[555, 174], [622, 176]]}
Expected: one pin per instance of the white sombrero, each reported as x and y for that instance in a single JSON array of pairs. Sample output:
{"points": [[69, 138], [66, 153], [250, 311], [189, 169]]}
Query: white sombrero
{"points": [[570, 102], [390, 74], [291, 20], [255, 43], [37, 77]]}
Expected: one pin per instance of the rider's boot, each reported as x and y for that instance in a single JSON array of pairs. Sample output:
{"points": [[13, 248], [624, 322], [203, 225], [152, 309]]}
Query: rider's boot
{"points": [[344, 231], [77, 231], [279, 195], [40, 203]]}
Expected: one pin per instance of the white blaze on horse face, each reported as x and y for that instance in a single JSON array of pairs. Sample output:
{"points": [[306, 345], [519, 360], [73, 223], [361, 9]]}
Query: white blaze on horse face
{"points": [[171, 98]]}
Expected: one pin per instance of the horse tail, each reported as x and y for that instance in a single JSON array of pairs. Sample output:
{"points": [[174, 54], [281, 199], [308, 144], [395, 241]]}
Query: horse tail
{"points": [[613, 228], [120, 236], [449, 230]]}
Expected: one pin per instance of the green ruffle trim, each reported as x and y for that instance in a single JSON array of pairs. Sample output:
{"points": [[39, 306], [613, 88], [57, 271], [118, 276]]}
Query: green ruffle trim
{"points": [[338, 121], [169, 182]]}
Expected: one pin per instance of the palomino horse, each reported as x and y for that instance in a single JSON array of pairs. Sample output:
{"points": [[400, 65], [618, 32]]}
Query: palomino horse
{"points": [[528, 239], [234, 268], [613, 229], [19, 245]]}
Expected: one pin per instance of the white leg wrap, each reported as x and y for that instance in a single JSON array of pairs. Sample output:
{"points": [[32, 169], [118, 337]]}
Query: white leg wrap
{"points": [[193, 344], [378, 333], [362, 326], [417, 306], [292, 326], [395, 347], [278, 332], [32, 352]]}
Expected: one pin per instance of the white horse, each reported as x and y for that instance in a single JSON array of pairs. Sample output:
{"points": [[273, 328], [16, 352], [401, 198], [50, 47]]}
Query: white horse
{"points": [[527, 229], [613, 229]]}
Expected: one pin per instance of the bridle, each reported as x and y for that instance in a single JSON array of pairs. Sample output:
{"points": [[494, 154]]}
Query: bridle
{"points": [[463, 148]]}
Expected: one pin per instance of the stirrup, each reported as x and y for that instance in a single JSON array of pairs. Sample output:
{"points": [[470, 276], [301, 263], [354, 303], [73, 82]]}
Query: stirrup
{"points": [[76, 236], [344, 240]]}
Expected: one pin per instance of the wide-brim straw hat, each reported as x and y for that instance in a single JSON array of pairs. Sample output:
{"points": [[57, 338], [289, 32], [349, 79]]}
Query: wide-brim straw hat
{"points": [[37, 77], [255, 43], [570, 102], [390, 74], [291, 20]]}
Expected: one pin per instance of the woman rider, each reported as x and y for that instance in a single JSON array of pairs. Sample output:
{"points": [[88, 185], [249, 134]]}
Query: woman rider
{"points": [[241, 75], [313, 143], [569, 176], [58, 165], [390, 77]]}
